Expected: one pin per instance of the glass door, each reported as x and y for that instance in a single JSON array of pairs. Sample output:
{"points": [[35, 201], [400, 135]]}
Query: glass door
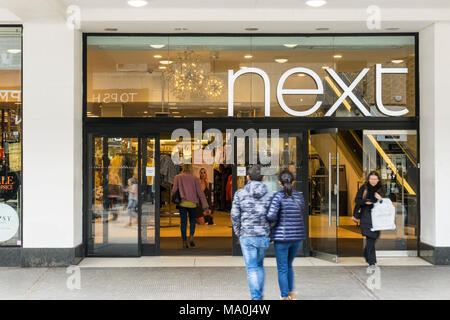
{"points": [[274, 153], [122, 197], [324, 191], [149, 196]]}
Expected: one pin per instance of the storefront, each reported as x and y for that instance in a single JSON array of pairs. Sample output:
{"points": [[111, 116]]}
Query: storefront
{"points": [[330, 108]]}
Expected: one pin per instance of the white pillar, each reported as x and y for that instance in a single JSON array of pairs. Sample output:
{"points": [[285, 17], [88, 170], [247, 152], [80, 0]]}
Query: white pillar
{"points": [[52, 136], [434, 54]]}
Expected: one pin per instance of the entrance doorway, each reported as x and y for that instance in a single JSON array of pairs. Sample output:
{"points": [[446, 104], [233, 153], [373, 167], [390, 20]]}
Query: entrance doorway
{"points": [[339, 162], [122, 211]]}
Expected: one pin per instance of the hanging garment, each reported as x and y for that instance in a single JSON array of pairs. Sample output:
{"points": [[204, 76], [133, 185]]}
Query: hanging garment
{"points": [[383, 215], [168, 170]]}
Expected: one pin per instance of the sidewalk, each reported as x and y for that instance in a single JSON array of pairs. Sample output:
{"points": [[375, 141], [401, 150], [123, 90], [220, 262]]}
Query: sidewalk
{"points": [[210, 278]]}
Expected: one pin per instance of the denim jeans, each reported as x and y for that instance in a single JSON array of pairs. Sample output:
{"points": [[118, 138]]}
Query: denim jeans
{"points": [[254, 251], [285, 253], [183, 223]]}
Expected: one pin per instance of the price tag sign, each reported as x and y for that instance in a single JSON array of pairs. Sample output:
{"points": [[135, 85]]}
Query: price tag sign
{"points": [[150, 171], [241, 171]]}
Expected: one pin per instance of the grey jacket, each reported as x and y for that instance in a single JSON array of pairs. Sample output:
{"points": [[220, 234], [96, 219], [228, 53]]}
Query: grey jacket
{"points": [[249, 210]]}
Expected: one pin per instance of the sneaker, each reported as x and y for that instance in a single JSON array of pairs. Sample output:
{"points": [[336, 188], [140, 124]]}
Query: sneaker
{"points": [[372, 267]]}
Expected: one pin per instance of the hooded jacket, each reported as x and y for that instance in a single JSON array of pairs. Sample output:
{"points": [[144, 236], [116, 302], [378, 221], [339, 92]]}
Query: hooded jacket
{"points": [[249, 210]]}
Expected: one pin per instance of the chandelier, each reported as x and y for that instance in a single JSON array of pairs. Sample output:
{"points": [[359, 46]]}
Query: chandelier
{"points": [[187, 78]]}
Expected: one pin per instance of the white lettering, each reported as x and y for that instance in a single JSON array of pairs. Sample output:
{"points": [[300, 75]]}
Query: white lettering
{"points": [[281, 91], [348, 91], [379, 87], [232, 78]]}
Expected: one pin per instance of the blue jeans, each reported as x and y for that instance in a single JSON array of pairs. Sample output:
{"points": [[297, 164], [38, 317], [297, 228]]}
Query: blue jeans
{"points": [[183, 223], [285, 253], [254, 251]]}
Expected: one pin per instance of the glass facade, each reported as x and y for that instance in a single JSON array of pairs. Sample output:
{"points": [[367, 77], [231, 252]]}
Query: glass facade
{"points": [[188, 76], [11, 136]]}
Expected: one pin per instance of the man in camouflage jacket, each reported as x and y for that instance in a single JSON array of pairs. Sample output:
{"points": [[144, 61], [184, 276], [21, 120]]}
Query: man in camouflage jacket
{"points": [[248, 216]]}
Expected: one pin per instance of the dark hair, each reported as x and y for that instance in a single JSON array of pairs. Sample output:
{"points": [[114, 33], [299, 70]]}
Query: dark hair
{"points": [[286, 178], [372, 173], [254, 172], [380, 190]]}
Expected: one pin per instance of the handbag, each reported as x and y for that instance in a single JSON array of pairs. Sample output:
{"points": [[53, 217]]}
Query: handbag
{"points": [[176, 198], [383, 215]]}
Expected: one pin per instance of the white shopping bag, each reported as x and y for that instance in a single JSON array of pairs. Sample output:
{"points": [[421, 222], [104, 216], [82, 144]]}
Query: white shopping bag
{"points": [[383, 215]]}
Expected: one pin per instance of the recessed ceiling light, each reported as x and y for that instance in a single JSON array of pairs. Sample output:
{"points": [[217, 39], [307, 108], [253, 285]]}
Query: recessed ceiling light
{"points": [[397, 61], [325, 67], [251, 29], [243, 67], [248, 56], [322, 29], [301, 74], [14, 51], [165, 62], [162, 67], [137, 3], [157, 56], [337, 56], [316, 3], [111, 29], [282, 60], [175, 111], [181, 29], [393, 29], [209, 112], [157, 46], [290, 45]]}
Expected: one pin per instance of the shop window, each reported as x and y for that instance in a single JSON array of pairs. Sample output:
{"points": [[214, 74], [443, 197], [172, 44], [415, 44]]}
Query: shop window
{"points": [[11, 136], [188, 76]]}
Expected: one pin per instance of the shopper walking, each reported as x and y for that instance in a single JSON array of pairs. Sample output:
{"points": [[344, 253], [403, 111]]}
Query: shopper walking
{"points": [[286, 213], [207, 190], [191, 195], [369, 193], [248, 216]]}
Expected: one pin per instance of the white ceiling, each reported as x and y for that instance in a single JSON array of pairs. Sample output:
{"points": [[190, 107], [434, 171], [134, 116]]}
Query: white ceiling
{"points": [[236, 4], [231, 16]]}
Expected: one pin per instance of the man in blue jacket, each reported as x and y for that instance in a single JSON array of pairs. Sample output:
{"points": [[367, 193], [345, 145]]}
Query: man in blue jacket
{"points": [[248, 216]]}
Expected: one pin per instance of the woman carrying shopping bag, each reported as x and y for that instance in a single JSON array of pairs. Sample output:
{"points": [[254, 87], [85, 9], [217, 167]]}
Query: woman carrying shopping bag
{"points": [[286, 212], [369, 193]]}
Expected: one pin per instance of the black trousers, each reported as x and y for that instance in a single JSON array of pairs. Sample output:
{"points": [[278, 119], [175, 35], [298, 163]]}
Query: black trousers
{"points": [[369, 251]]}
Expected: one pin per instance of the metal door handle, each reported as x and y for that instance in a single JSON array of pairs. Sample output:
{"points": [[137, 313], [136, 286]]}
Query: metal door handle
{"points": [[329, 189], [337, 189]]}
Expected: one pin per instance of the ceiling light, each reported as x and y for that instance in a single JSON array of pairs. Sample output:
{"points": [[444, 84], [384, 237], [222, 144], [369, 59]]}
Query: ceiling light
{"points": [[162, 67], [157, 46], [137, 3], [14, 51], [175, 111], [290, 45], [325, 67], [397, 61], [166, 62], [248, 56], [316, 3], [251, 29], [243, 67], [281, 60], [322, 29], [301, 74], [209, 112], [337, 56], [157, 56], [110, 29]]}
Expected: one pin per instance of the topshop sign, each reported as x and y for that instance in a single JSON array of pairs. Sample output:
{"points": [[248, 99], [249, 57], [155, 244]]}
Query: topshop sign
{"points": [[347, 90]]}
